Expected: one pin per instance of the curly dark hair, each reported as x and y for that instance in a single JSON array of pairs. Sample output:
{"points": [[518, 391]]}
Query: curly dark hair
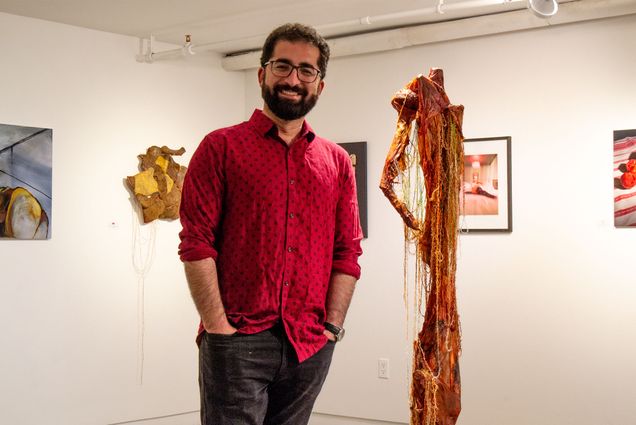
{"points": [[293, 33]]}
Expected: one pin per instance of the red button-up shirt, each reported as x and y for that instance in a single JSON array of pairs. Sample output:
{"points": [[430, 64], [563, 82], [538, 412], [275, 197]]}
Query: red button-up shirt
{"points": [[278, 220]]}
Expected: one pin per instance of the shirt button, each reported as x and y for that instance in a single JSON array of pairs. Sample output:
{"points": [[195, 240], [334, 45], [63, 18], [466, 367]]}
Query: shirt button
{"points": [[286, 283], [291, 215], [292, 181], [290, 249]]}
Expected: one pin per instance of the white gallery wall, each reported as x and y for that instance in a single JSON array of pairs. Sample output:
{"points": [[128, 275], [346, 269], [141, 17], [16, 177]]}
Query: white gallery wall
{"points": [[548, 311], [68, 306]]}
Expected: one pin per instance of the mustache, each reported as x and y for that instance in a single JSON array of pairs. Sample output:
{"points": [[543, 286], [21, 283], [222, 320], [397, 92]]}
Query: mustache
{"points": [[296, 89]]}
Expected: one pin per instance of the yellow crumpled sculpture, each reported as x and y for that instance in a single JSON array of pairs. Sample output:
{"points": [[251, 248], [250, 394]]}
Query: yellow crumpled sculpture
{"points": [[157, 187]]}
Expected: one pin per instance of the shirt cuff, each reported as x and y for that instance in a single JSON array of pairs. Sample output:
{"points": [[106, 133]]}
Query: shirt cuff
{"points": [[350, 268], [196, 254]]}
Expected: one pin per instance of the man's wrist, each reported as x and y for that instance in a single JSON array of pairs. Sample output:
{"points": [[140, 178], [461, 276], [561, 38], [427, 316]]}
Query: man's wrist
{"points": [[219, 325], [337, 331]]}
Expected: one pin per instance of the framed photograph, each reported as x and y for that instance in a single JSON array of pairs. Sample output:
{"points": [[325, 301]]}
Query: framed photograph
{"points": [[358, 154], [625, 178], [486, 198]]}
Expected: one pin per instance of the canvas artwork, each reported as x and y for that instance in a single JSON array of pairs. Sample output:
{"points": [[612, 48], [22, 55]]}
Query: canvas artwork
{"points": [[625, 178], [25, 182], [358, 153]]}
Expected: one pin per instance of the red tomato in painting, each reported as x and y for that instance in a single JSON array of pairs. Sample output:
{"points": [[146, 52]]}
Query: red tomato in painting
{"points": [[631, 166], [628, 180]]}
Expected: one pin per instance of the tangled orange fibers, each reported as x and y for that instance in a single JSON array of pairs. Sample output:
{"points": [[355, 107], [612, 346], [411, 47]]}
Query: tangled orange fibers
{"points": [[422, 179]]}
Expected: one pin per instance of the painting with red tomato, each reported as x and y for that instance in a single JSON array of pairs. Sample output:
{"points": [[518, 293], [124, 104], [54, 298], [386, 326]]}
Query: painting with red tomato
{"points": [[625, 178]]}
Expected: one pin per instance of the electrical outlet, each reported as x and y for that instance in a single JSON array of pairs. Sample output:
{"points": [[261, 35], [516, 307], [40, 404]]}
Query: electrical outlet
{"points": [[383, 368]]}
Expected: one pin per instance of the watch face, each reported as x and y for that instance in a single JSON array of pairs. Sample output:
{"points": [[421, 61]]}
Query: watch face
{"points": [[340, 335], [337, 332]]}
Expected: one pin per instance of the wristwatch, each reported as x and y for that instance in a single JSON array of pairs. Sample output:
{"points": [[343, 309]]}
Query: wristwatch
{"points": [[337, 331]]}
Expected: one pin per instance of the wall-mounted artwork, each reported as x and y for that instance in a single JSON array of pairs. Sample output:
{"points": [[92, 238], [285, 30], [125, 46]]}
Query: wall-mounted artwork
{"points": [[486, 199], [358, 154], [25, 182], [157, 188], [625, 178]]}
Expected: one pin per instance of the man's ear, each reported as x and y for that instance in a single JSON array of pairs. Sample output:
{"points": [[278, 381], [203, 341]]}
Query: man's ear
{"points": [[321, 86], [261, 75]]}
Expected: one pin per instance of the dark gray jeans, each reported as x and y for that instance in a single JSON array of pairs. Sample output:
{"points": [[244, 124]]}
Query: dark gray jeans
{"points": [[257, 380]]}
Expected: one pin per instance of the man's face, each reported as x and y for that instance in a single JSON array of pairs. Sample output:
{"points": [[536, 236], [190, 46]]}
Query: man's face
{"points": [[288, 97]]}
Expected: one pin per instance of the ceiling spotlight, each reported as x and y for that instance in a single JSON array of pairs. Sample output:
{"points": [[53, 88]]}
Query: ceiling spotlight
{"points": [[543, 8]]}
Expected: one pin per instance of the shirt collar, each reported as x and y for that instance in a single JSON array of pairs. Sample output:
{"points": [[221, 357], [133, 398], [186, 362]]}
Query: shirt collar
{"points": [[266, 127]]}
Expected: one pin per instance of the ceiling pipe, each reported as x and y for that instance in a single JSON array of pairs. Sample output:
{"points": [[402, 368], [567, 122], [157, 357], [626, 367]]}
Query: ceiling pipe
{"points": [[439, 9], [582, 10], [146, 53], [352, 24]]}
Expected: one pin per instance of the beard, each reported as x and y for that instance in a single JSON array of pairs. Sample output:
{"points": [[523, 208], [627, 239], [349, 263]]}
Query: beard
{"points": [[285, 109]]}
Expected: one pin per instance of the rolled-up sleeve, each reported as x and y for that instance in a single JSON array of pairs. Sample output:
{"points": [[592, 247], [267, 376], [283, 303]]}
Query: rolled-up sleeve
{"points": [[201, 200], [348, 232]]}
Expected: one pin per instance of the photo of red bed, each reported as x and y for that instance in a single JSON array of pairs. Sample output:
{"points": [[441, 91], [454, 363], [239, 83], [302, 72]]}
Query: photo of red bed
{"points": [[485, 203], [480, 191]]}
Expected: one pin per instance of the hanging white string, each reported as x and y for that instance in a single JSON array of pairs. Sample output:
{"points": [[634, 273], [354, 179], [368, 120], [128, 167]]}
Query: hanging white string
{"points": [[143, 254]]}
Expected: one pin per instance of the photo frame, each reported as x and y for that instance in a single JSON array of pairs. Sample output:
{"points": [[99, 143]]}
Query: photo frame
{"points": [[358, 153], [625, 178], [486, 193]]}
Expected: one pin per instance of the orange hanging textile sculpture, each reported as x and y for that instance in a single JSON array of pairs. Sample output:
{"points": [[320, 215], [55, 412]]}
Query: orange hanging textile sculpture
{"points": [[422, 179]]}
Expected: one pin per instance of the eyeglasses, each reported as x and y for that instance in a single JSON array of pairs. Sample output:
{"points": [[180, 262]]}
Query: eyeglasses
{"points": [[306, 73]]}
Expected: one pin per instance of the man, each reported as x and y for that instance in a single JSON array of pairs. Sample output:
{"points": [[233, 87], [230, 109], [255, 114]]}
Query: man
{"points": [[270, 242]]}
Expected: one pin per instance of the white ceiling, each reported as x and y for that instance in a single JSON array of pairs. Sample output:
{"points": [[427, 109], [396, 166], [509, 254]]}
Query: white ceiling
{"points": [[243, 22], [230, 27]]}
